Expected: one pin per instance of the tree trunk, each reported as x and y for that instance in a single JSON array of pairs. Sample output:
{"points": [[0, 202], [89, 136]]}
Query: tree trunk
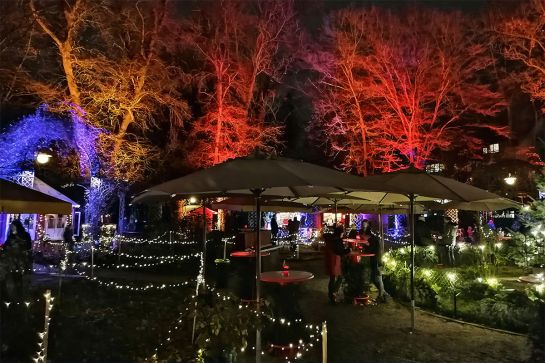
{"points": [[219, 100], [122, 196], [66, 55]]}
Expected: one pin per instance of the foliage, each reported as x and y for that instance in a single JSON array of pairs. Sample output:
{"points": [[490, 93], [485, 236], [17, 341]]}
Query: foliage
{"points": [[382, 115], [481, 297], [241, 48], [522, 40], [222, 325], [117, 77]]}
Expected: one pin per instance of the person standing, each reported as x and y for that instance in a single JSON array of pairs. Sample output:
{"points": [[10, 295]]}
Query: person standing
{"points": [[293, 230], [68, 238], [18, 250], [375, 261], [334, 249], [274, 227]]}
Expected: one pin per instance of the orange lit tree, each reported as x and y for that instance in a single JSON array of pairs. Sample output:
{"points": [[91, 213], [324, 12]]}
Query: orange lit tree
{"points": [[106, 61], [393, 89], [110, 64], [241, 46]]}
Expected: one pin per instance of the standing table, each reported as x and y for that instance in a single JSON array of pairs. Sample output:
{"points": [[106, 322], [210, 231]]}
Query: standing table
{"points": [[282, 290], [244, 263]]}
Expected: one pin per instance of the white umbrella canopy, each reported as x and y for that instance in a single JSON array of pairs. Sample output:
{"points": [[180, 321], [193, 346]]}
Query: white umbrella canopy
{"points": [[485, 205], [340, 199], [424, 185], [247, 204], [275, 176], [151, 196]]}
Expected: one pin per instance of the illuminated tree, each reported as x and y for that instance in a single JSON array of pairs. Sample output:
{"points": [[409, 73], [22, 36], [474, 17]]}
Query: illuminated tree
{"points": [[395, 89], [107, 60], [242, 47], [117, 76], [523, 40]]}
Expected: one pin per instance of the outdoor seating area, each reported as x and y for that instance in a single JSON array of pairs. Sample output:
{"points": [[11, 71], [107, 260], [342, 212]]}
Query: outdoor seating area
{"points": [[266, 181]]}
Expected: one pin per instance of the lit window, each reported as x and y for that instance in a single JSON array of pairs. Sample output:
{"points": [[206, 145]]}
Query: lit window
{"points": [[51, 221], [494, 148], [435, 168]]}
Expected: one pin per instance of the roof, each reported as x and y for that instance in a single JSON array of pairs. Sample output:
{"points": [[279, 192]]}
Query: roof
{"points": [[41, 186]]}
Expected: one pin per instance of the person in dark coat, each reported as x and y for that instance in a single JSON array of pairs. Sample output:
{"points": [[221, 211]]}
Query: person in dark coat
{"points": [[68, 238], [334, 249], [375, 248], [274, 227], [20, 243], [17, 250]]}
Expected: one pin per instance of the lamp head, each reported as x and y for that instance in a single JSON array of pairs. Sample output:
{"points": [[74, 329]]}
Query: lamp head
{"points": [[42, 158], [510, 180]]}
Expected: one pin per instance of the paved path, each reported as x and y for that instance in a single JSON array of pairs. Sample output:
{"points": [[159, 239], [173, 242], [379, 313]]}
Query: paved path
{"points": [[380, 333]]}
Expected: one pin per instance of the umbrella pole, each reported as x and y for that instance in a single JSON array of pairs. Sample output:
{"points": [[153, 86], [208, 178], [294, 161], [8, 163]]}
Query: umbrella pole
{"points": [[204, 243], [203, 269], [381, 226], [257, 195], [411, 227], [335, 218]]}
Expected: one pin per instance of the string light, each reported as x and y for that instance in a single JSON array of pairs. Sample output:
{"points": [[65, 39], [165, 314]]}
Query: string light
{"points": [[300, 348], [41, 354]]}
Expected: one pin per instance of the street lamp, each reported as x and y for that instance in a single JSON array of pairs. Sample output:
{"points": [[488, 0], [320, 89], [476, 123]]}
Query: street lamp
{"points": [[510, 180], [42, 158]]}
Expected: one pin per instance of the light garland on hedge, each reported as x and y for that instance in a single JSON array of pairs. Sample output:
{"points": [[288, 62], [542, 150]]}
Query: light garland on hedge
{"points": [[302, 346], [159, 260], [146, 287]]}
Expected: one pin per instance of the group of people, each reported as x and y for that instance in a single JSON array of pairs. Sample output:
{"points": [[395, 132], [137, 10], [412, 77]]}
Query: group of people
{"points": [[335, 250]]}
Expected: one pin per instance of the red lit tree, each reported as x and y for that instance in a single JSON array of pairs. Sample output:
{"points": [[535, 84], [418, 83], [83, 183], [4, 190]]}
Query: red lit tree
{"points": [[395, 89], [523, 40], [241, 45]]}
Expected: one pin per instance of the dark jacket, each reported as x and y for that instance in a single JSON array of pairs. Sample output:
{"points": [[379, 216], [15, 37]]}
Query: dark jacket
{"points": [[334, 249]]}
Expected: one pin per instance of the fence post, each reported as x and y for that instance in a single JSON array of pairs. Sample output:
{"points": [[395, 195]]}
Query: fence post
{"points": [[324, 342]]}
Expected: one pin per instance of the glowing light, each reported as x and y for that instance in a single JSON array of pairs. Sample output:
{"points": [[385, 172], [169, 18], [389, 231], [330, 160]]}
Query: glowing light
{"points": [[492, 281], [192, 200], [42, 158], [510, 180], [426, 272], [451, 276]]}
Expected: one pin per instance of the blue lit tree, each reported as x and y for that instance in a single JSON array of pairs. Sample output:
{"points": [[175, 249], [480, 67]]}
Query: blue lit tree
{"points": [[23, 139]]}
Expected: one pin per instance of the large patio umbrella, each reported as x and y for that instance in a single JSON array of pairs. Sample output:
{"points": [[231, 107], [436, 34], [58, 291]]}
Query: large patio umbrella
{"points": [[412, 184], [247, 204], [15, 198], [261, 176], [337, 200], [485, 205]]}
